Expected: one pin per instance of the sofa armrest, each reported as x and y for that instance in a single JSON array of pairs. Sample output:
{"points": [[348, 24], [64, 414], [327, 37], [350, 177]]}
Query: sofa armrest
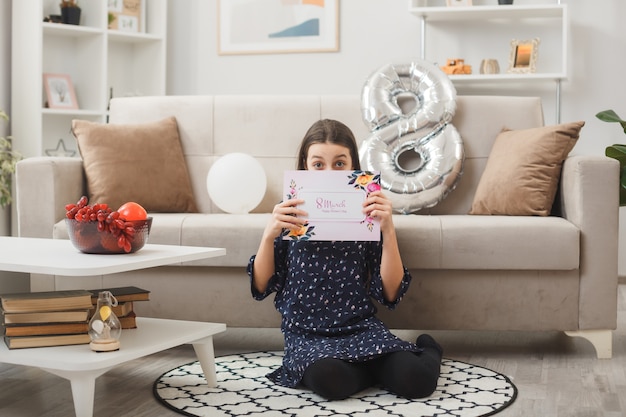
{"points": [[590, 200], [44, 185]]}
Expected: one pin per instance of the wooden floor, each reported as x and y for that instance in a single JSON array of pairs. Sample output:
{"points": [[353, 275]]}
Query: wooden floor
{"points": [[555, 375]]}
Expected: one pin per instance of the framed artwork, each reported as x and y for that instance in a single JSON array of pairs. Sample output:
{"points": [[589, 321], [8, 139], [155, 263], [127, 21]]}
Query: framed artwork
{"points": [[276, 26], [454, 3], [59, 91], [523, 56], [126, 15]]}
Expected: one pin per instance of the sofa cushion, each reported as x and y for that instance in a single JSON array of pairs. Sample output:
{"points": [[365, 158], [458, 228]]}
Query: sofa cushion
{"points": [[141, 162], [523, 170], [488, 242], [427, 242]]}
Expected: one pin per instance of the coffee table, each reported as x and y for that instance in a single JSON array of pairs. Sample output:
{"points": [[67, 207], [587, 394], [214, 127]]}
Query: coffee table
{"points": [[80, 364], [59, 257]]}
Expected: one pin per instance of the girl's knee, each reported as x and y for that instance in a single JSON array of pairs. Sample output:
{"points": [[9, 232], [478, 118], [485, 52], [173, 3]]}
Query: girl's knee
{"points": [[409, 375]]}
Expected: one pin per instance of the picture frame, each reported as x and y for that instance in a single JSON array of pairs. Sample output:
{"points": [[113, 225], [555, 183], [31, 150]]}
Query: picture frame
{"points": [[458, 3], [126, 15], [262, 27], [523, 56], [60, 92]]}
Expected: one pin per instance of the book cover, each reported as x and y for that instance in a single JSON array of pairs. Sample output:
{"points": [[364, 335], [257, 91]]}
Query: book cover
{"points": [[46, 329], [46, 301], [45, 317], [128, 321], [43, 341], [122, 294], [122, 309], [334, 203]]}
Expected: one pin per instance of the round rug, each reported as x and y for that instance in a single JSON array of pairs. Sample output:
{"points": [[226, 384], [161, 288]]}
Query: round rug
{"points": [[463, 390]]}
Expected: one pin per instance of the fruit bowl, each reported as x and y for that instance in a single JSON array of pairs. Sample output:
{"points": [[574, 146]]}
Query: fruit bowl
{"points": [[86, 237]]}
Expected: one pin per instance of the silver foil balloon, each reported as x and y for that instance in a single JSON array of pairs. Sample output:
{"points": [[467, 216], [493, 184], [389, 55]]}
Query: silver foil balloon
{"points": [[419, 153]]}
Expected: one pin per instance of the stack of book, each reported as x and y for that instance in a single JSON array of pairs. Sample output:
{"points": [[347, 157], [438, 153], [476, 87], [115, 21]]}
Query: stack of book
{"points": [[125, 297], [51, 318]]}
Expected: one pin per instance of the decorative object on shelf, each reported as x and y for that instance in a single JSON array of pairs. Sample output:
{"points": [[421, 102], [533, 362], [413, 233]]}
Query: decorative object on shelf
{"points": [[523, 56], [617, 151], [456, 66], [53, 18], [408, 109], [505, 1], [104, 327], [60, 150], [489, 66], [262, 27], [70, 12], [226, 178], [455, 3], [8, 159], [59, 91], [126, 15]]}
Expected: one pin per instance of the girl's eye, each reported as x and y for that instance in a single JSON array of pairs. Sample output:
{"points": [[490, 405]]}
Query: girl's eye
{"points": [[340, 164]]}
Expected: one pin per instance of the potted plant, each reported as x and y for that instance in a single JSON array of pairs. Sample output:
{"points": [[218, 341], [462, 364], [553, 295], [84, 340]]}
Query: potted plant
{"points": [[8, 159], [70, 12], [617, 151]]}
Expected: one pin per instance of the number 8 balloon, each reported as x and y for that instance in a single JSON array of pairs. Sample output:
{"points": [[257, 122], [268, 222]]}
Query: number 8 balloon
{"points": [[419, 153]]}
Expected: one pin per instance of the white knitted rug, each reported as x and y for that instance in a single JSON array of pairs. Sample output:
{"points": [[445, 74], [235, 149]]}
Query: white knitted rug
{"points": [[243, 390]]}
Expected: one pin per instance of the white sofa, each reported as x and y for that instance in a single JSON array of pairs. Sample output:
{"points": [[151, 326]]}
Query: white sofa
{"points": [[527, 273]]}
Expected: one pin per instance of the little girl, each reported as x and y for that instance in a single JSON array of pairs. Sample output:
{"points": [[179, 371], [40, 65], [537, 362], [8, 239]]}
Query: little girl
{"points": [[334, 343]]}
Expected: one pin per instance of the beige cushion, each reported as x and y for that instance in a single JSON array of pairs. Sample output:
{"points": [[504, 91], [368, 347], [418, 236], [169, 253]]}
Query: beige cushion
{"points": [[523, 170], [142, 163]]}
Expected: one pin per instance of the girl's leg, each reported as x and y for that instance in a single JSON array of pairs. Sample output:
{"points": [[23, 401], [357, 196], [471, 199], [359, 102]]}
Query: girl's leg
{"points": [[335, 379], [411, 375]]}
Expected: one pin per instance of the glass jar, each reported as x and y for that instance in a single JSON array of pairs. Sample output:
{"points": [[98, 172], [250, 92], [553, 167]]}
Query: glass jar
{"points": [[105, 328]]}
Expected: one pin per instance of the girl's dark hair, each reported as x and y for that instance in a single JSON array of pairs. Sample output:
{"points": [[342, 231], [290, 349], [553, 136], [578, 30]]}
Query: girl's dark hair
{"points": [[328, 131]]}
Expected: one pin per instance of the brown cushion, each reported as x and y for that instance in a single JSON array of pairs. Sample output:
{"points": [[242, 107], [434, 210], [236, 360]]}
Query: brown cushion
{"points": [[523, 170], [143, 163]]}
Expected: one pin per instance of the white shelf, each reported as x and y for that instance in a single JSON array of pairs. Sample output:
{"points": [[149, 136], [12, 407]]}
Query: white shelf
{"points": [[472, 22], [539, 77], [125, 37], [60, 29], [74, 113], [489, 12], [97, 59]]}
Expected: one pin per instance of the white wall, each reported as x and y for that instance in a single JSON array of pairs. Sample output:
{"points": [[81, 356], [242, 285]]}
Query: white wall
{"points": [[374, 33]]}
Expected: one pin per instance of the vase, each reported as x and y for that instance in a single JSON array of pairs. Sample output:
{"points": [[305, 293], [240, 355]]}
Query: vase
{"points": [[489, 66], [70, 15], [505, 1]]}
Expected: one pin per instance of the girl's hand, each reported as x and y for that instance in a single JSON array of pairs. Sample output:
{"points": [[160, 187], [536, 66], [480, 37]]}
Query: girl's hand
{"points": [[378, 206], [284, 217]]}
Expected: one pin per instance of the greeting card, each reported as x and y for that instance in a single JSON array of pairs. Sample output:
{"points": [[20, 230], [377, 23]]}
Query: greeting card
{"points": [[334, 203]]}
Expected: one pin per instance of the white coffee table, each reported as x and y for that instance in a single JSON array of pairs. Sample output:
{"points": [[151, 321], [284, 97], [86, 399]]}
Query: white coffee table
{"points": [[81, 366], [59, 257], [78, 363]]}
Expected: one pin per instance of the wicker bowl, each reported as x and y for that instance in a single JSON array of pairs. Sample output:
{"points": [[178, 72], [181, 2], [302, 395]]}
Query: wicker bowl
{"points": [[86, 237]]}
